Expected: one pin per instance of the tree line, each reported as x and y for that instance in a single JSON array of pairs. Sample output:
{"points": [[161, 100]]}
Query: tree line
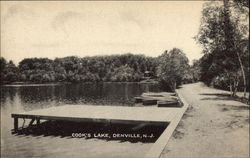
{"points": [[224, 35], [126, 67], [170, 68]]}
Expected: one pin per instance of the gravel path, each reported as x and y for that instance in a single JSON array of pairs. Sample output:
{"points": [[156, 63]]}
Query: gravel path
{"points": [[214, 126]]}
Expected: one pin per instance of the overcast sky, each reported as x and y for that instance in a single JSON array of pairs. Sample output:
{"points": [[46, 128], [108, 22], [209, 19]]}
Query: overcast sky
{"points": [[81, 28]]}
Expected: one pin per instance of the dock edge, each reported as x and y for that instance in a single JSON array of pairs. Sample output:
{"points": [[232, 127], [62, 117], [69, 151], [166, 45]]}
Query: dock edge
{"points": [[156, 150]]}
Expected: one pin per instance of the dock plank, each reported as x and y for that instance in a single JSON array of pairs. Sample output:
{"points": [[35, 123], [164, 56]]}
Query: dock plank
{"points": [[83, 112]]}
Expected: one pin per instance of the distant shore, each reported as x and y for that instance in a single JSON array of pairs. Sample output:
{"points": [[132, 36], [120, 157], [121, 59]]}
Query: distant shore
{"points": [[31, 84], [19, 84]]}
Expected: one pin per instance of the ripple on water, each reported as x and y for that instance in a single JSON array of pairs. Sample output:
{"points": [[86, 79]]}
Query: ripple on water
{"points": [[19, 99]]}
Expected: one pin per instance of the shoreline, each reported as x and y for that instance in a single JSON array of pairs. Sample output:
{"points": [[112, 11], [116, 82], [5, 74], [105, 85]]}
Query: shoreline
{"points": [[31, 84], [19, 84]]}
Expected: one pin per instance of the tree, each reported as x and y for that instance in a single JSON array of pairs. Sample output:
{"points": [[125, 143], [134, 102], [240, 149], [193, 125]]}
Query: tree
{"points": [[9, 71], [172, 67], [3, 64], [222, 35], [196, 70], [76, 69]]}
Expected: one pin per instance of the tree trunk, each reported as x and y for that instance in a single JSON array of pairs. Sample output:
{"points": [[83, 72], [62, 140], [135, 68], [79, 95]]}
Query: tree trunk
{"points": [[243, 74], [227, 21], [236, 82], [231, 89], [174, 86]]}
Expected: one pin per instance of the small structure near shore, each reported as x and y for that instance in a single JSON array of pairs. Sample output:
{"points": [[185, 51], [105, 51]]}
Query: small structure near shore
{"points": [[148, 74], [167, 103], [162, 99], [149, 101]]}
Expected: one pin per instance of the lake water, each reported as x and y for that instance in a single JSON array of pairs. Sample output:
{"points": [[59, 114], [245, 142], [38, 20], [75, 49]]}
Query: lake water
{"points": [[46, 141]]}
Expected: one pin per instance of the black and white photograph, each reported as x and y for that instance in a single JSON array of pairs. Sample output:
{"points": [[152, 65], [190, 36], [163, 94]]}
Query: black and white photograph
{"points": [[124, 79]]}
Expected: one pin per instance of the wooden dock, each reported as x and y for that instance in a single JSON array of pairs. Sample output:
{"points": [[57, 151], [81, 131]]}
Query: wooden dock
{"points": [[102, 114], [112, 114]]}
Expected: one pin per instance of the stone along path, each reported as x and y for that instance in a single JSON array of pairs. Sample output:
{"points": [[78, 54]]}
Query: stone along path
{"points": [[214, 126]]}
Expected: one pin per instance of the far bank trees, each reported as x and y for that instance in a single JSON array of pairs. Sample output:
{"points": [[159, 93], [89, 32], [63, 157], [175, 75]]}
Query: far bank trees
{"points": [[171, 68], [114, 68]]}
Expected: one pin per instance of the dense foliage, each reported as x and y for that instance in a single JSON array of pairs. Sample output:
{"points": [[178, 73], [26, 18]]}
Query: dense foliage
{"points": [[173, 68], [224, 35], [127, 67]]}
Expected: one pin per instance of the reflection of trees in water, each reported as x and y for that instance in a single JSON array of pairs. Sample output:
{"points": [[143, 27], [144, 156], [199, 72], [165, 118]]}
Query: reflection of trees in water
{"points": [[11, 100], [8, 93], [85, 93], [126, 92], [37, 94]]}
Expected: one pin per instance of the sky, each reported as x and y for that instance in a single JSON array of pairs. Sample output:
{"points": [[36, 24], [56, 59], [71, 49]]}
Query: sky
{"points": [[82, 28]]}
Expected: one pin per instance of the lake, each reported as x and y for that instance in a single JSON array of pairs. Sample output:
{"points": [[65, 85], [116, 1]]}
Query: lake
{"points": [[36, 143]]}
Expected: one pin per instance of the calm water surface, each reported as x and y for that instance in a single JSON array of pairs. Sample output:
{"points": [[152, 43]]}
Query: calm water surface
{"points": [[26, 98]]}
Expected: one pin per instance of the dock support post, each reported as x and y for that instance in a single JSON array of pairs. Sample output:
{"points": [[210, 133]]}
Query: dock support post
{"points": [[31, 122], [15, 124], [38, 121]]}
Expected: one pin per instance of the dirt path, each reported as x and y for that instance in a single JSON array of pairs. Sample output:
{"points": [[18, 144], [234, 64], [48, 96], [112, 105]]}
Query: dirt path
{"points": [[214, 126]]}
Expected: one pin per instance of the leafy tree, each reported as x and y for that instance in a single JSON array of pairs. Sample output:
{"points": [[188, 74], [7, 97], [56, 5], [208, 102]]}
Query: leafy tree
{"points": [[3, 64], [126, 67], [223, 37], [195, 70], [9, 71], [172, 67]]}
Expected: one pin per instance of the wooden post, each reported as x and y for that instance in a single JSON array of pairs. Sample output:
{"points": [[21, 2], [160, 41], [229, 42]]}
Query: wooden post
{"points": [[38, 121], [15, 124], [31, 122]]}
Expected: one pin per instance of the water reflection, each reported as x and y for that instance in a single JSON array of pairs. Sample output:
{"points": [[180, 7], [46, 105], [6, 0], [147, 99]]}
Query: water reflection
{"points": [[100, 93], [29, 144]]}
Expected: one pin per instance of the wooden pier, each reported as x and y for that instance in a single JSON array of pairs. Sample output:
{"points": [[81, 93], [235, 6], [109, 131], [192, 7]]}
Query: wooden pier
{"points": [[112, 114], [101, 114]]}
